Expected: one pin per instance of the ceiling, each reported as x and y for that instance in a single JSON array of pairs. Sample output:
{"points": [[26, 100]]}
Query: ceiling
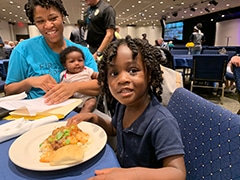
{"points": [[128, 12]]}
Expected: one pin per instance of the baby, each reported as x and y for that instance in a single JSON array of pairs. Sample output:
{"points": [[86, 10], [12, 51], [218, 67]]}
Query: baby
{"points": [[72, 58]]}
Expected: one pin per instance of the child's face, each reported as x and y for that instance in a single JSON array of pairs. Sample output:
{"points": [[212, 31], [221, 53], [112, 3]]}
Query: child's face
{"points": [[127, 79], [74, 62]]}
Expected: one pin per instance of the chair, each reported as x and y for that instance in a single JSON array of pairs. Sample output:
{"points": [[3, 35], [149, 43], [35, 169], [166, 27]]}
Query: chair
{"points": [[179, 51], [236, 72], [207, 70], [210, 135], [231, 54], [210, 51]]}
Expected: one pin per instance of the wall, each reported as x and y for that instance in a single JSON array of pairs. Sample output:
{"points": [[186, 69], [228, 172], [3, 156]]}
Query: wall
{"points": [[228, 33], [229, 28], [153, 33], [5, 30]]}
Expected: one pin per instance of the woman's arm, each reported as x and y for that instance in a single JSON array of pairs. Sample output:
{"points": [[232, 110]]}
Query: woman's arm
{"points": [[61, 92], [25, 85]]}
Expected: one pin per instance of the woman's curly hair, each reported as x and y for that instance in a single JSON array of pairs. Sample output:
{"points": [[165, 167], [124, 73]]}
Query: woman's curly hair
{"points": [[151, 56], [31, 4]]}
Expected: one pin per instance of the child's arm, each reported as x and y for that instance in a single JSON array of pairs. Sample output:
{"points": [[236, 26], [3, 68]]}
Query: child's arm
{"points": [[90, 117], [174, 168]]}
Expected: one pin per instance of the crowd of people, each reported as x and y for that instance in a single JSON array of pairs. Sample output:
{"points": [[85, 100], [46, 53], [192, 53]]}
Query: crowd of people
{"points": [[128, 72]]}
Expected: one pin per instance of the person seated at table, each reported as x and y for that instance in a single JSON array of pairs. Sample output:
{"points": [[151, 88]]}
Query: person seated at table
{"points": [[72, 58], [161, 43], [235, 60], [149, 143], [34, 65]]}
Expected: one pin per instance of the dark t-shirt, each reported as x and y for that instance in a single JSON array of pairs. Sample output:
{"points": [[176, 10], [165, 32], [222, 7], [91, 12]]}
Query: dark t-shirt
{"points": [[98, 19], [153, 136]]}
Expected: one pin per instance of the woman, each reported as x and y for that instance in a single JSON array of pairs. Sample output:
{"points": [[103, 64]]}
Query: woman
{"points": [[34, 64]]}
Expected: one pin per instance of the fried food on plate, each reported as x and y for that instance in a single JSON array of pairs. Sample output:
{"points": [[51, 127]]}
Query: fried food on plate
{"points": [[67, 155], [65, 145]]}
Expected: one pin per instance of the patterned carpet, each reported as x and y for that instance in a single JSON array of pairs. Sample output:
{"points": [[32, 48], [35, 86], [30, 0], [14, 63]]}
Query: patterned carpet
{"points": [[230, 100]]}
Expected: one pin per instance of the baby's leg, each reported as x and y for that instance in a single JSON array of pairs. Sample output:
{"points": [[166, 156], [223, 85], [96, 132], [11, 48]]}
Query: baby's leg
{"points": [[89, 105]]}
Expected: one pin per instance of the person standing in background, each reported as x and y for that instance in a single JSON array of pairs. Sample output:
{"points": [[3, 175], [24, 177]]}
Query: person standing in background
{"points": [[116, 34], [100, 20], [77, 35], [197, 37], [3, 54], [144, 37]]}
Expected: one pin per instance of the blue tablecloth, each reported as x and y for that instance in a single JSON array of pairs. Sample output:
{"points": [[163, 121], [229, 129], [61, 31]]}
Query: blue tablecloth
{"points": [[183, 61], [9, 171]]}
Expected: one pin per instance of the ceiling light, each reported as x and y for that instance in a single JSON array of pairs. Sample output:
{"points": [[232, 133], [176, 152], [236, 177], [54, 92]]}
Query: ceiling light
{"points": [[213, 2]]}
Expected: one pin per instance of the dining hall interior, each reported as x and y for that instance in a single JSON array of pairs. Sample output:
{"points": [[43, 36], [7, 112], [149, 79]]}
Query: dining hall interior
{"points": [[206, 107], [171, 20]]}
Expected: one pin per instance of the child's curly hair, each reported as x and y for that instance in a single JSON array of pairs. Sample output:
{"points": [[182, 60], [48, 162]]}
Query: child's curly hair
{"points": [[31, 4], [151, 57]]}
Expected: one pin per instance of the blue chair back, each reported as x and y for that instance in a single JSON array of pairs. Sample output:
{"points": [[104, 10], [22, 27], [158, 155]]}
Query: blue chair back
{"points": [[210, 51], [210, 136], [209, 67], [179, 51]]}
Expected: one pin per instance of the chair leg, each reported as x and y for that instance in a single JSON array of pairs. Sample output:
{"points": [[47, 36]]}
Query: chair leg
{"points": [[191, 86], [222, 95]]}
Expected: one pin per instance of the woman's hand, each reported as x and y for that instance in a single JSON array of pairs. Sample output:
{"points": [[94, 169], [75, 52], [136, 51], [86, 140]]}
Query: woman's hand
{"points": [[59, 92], [43, 82]]}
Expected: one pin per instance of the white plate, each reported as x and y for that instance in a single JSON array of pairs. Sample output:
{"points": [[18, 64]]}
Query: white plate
{"points": [[25, 151]]}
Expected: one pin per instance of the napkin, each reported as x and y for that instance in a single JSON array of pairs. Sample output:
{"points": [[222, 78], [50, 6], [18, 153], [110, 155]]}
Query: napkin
{"points": [[14, 97], [15, 128]]}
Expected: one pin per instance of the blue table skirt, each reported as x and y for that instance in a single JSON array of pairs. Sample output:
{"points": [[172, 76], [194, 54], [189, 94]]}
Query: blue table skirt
{"points": [[9, 171]]}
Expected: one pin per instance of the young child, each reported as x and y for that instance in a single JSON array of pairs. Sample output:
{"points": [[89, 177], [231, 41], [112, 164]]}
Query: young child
{"points": [[72, 58], [149, 144]]}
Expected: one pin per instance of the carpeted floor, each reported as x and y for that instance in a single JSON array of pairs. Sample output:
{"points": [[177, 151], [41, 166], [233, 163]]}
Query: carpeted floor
{"points": [[230, 100]]}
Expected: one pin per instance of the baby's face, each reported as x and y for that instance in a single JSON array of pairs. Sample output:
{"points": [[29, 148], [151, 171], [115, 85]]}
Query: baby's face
{"points": [[74, 62]]}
